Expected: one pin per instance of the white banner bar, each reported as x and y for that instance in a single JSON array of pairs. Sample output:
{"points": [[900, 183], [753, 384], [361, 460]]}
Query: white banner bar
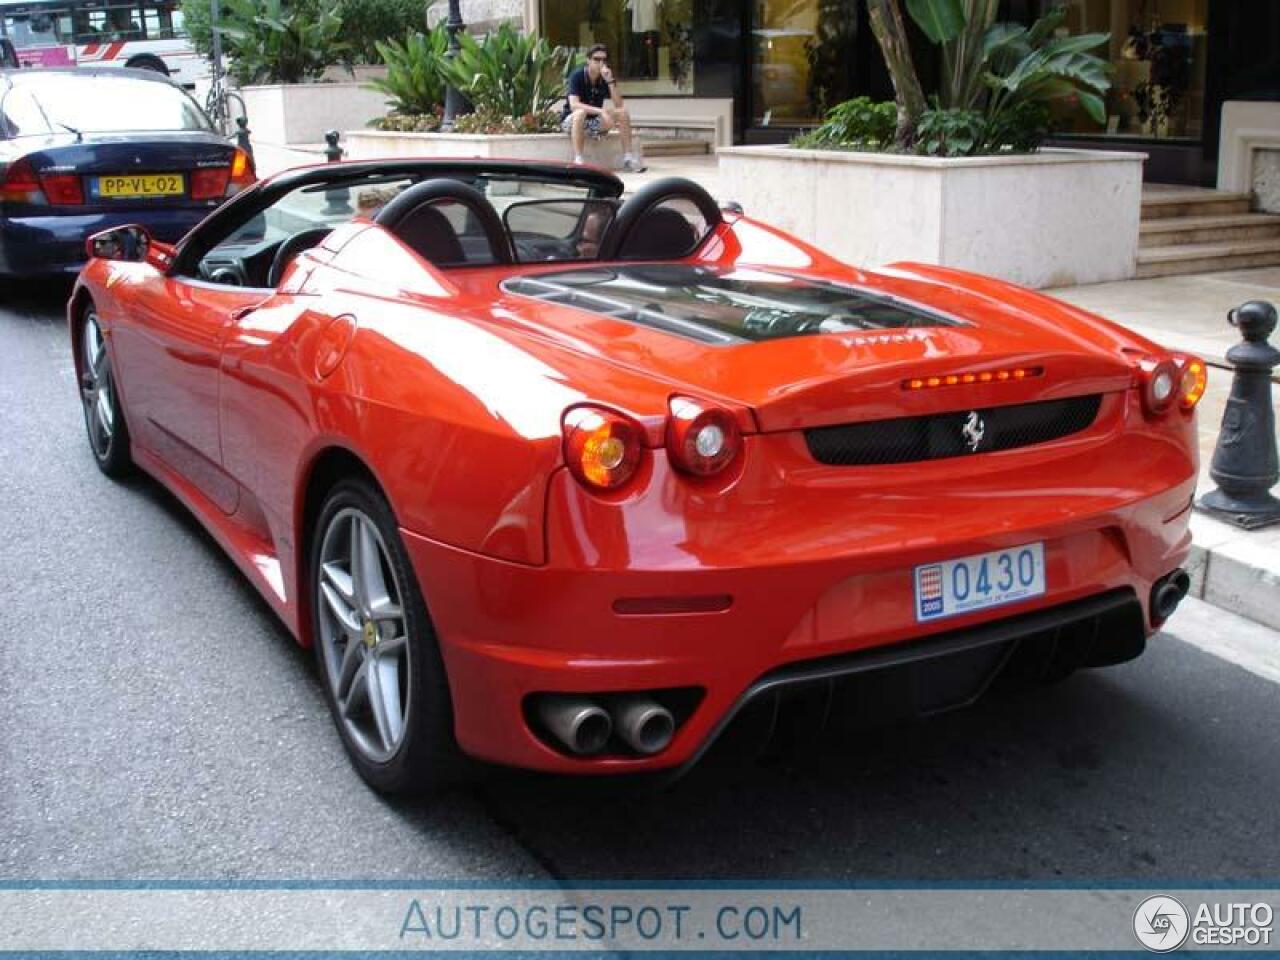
{"points": [[125, 919]]}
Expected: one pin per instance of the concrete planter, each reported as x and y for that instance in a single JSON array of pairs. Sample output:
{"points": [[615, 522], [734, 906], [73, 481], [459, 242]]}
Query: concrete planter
{"points": [[302, 112], [550, 147], [1051, 219]]}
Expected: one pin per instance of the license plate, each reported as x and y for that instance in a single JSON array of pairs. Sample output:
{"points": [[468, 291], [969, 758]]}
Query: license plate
{"points": [[983, 580], [139, 185]]}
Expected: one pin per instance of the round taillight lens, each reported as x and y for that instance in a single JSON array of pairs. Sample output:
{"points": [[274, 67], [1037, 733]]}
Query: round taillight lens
{"points": [[601, 447], [1162, 380], [701, 439], [1195, 378]]}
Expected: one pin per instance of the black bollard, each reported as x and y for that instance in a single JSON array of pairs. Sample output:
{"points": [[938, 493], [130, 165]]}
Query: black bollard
{"points": [[1245, 462], [332, 152], [242, 136], [337, 199]]}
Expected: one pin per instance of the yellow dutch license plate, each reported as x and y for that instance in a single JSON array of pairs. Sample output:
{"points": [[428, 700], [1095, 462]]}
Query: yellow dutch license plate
{"points": [[142, 185]]}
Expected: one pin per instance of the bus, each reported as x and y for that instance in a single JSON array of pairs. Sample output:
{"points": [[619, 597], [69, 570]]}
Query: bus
{"points": [[103, 33]]}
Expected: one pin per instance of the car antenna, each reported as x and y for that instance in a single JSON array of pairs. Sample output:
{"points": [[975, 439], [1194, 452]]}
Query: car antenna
{"points": [[67, 126]]}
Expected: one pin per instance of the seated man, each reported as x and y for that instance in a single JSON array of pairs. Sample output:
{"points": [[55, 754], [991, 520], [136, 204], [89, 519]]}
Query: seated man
{"points": [[585, 113]]}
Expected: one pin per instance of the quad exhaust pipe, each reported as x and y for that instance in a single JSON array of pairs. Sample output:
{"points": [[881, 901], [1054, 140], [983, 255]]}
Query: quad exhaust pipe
{"points": [[584, 727], [1167, 593], [644, 725]]}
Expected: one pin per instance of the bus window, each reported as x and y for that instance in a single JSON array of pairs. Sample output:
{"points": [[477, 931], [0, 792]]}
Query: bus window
{"points": [[36, 29], [159, 20]]}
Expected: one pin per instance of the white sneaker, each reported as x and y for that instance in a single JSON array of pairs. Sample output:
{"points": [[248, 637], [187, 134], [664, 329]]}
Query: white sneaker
{"points": [[632, 165]]}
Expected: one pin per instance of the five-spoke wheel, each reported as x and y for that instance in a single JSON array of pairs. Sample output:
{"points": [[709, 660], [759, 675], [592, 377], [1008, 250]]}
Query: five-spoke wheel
{"points": [[377, 651], [108, 433]]}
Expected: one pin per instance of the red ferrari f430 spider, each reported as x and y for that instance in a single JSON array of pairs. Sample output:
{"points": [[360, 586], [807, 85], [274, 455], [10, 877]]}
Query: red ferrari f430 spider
{"points": [[560, 480]]}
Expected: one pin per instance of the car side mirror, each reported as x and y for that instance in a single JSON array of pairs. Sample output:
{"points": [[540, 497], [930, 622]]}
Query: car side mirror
{"points": [[130, 242]]}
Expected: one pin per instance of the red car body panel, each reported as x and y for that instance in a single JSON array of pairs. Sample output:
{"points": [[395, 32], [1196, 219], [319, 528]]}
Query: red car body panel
{"points": [[451, 392]]}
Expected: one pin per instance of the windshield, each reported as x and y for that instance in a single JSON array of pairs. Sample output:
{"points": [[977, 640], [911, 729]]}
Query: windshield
{"points": [[104, 104]]}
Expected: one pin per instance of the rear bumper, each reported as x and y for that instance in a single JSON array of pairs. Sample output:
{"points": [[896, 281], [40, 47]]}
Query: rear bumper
{"points": [[50, 245], [510, 631]]}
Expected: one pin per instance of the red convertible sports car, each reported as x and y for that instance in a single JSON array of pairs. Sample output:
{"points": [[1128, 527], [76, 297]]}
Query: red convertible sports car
{"points": [[563, 481]]}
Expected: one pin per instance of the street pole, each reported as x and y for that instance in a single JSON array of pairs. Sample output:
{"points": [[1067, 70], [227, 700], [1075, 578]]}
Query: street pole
{"points": [[452, 96], [215, 37]]}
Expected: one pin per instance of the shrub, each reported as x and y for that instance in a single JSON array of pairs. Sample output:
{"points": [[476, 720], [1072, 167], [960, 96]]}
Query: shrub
{"points": [[268, 41], [485, 120], [507, 73], [409, 122], [414, 82], [371, 22], [858, 123]]}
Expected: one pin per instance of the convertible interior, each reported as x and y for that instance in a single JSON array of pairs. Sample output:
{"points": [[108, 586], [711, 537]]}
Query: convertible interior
{"points": [[468, 218]]}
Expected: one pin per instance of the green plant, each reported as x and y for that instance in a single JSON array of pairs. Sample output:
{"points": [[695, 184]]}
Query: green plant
{"points": [[414, 83], [269, 41], [507, 72], [409, 122], [950, 133], [956, 132], [197, 21], [860, 122], [1005, 71], [488, 121], [366, 23]]}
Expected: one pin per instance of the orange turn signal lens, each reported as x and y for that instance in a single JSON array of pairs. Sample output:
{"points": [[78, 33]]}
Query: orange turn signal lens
{"points": [[985, 376], [1195, 378], [601, 447]]}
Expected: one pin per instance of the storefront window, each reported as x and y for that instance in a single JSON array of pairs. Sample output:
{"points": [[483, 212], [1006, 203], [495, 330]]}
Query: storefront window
{"points": [[1159, 49], [802, 52], [650, 41]]}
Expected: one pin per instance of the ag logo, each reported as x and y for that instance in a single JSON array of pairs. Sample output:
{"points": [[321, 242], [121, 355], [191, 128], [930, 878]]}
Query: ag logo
{"points": [[1161, 924]]}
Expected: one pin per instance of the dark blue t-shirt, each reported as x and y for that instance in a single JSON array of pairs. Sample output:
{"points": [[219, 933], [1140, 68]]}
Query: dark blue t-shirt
{"points": [[592, 94]]}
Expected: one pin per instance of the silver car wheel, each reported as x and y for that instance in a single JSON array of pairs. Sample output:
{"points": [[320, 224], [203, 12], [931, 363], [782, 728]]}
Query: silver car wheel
{"points": [[96, 388], [362, 630]]}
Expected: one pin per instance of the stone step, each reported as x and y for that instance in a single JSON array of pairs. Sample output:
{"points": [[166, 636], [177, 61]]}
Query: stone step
{"points": [[675, 147], [1207, 258], [1193, 203], [1223, 228]]}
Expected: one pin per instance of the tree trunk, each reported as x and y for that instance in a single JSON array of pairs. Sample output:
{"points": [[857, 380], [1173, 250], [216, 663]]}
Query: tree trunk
{"points": [[886, 24]]}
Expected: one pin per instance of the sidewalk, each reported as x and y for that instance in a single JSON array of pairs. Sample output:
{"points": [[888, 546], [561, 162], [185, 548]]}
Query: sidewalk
{"points": [[1230, 568]]}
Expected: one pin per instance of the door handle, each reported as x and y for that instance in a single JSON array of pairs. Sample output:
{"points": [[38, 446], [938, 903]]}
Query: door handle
{"points": [[239, 313]]}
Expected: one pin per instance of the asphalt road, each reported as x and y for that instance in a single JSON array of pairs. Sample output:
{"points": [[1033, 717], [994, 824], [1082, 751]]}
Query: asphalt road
{"points": [[157, 723]]}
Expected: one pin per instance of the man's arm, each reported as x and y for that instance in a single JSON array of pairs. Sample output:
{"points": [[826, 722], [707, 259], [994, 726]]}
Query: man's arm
{"points": [[575, 103], [615, 92]]}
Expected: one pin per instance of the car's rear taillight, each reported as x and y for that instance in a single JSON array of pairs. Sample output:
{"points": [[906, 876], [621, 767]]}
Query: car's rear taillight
{"points": [[701, 439], [63, 189], [1159, 379], [242, 172], [1194, 380], [210, 183], [601, 447], [22, 185], [214, 183]]}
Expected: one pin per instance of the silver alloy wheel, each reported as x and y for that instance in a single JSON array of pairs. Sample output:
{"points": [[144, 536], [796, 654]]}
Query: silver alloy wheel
{"points": [[363, 634], [96, 387]]}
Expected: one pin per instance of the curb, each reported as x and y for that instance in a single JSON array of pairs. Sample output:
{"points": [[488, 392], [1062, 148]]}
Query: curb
{"points": [[1236, 570]]}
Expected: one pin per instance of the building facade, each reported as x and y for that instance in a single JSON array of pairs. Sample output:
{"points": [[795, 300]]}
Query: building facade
{"points": [[782, 63]]}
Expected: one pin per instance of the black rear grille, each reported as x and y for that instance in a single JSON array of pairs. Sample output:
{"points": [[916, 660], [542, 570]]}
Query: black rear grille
{"points": [[909, 439]]}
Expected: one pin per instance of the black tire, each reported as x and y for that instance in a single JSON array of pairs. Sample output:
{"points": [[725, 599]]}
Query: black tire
{"points": [[147, 62], [426, 757], [104, 419]]}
